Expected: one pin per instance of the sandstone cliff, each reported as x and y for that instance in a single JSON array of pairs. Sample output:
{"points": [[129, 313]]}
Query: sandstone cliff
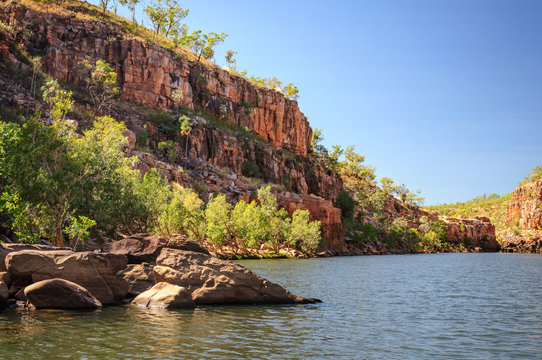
{"points": [[525, 207], [150, 73], [524, 216], [262, 127]]}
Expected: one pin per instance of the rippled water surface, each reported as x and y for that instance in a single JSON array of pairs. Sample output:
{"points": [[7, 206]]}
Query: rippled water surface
{"points": [[448, 306]]}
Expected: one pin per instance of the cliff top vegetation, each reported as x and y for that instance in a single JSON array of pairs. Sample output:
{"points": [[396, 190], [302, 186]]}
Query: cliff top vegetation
{"points": [[168, 31]]}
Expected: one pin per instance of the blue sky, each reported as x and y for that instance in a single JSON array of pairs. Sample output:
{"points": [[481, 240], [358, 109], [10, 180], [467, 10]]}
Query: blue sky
{"points": [[443, 96]]}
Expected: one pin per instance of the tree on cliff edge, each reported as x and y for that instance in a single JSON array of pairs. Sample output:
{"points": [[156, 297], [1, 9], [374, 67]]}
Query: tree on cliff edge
{"points": [[165, 16]]}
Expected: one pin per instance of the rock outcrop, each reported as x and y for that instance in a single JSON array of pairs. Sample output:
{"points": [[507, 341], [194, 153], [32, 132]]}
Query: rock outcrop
{"points": [[149, 74], [525, 207], [180, 278], [165, 296], [138, 248], [524, 216], [140, 277], [60, 294], [210, 280], [476, 234], [321, 210], [95, 272], [5, 249], [521, 241], [284, 132]]}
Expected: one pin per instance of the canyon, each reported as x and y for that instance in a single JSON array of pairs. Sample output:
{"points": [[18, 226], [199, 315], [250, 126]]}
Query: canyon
{"points": [[234, 123]]}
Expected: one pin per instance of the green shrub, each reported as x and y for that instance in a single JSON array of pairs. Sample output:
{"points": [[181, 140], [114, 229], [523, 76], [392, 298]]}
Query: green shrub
{"points": [[249, 169], [346, 203]]}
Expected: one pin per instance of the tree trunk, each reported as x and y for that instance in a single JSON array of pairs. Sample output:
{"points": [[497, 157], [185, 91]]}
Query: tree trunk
{"points": [[59, 242]]}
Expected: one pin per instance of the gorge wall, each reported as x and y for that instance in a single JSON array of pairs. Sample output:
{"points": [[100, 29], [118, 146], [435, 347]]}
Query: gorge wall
{"points": [[210, 156], [525, 207], [148, 74], [524, 215]]}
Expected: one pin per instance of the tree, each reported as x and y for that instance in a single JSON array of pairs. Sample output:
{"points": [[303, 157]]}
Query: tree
{"points": [[291, 91], [131, 4], [274, 84], [203, 44], [104, 4], [316, 142], [165, 16], [101, 82], [408, 197], [354, 168], [184, 215], [534, 175], [387, 185], [217, 215], [57, 184], [42, 177], [230, 60], [60, 100], [302, 229], [186, 128]]}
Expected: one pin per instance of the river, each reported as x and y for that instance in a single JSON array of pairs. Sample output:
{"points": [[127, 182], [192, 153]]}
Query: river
{"points": [[442, 306]]}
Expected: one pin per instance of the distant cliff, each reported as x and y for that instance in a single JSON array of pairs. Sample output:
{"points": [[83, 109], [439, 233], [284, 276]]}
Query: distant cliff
{"points": [[524, 216]]}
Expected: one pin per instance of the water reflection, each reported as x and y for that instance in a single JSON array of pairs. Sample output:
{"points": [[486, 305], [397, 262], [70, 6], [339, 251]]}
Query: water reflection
{"points": [[447, 306]]}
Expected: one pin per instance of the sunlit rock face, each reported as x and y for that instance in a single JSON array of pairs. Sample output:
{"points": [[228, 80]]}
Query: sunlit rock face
{"points": [[525, 208], [150, 74]]}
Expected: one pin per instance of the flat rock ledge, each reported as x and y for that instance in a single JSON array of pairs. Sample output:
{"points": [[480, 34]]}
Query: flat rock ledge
{"points": [[159, 273]]}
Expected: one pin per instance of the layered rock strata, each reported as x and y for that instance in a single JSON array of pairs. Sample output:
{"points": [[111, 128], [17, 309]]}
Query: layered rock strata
{"points": [[476, 234], [149, 74], [524, 215], [525, 207]]}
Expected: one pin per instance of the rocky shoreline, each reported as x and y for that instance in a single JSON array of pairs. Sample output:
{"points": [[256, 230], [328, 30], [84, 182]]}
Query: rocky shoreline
{"points": [[144, 270]]}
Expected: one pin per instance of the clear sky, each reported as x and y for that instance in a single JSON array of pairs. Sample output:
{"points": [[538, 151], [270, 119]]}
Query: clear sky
{"points": [[441, 95]]}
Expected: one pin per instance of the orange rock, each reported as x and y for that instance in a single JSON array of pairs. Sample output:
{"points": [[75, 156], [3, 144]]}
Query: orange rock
{"points": [[321, 210], [149, 74], [525, 207]]}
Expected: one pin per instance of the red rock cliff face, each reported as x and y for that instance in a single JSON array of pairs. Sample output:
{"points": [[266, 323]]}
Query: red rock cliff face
{"points": [[148, 74], [525, 208], [477, 234], [321, 210], [474, 234]]}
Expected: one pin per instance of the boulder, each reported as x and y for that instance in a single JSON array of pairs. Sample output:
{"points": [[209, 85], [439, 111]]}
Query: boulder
{"points": [[94, 271], [182, 242], [4, 276], [60, 294], [4, 293], [26, 262], [165, 296], [213, 281], [140, 277], [138, 248], [5, 249]]}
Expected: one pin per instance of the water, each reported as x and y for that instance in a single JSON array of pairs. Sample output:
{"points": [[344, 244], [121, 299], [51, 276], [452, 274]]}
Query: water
{"points": [[446, 306]]}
